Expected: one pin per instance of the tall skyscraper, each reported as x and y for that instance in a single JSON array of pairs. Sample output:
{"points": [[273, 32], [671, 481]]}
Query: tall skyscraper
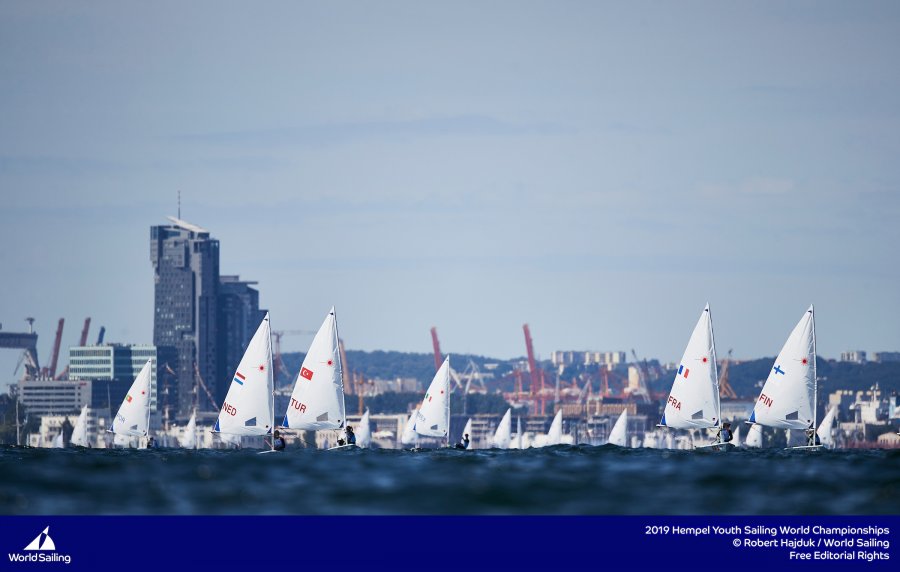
{"points": [[186, 275], [239, 317]]}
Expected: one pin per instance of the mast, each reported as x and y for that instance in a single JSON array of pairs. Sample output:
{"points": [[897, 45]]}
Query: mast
{"points": [[448, 401], [148, 409], [18, 440], [715, 366], [815, 406], [272, 373], [337, 344]]}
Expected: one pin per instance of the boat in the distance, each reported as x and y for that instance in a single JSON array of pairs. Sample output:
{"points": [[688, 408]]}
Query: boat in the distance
{"points": [[249, 406], [317, 401], [132, 421], [788, 398], [693, 402], [433, 417]]}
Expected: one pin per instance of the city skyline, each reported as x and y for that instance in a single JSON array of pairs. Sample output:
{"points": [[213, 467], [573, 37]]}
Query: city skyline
{"points": [[599, 172]]}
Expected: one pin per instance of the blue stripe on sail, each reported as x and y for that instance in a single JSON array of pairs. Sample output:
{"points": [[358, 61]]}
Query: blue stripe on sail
{"points": [[753, 416], [663, 422], [217, 426], [285, 422], [238, 381], [680, 369]]}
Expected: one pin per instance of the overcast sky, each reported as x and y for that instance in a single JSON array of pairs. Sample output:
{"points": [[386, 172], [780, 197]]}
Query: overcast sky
{"points": [[598, 170]]}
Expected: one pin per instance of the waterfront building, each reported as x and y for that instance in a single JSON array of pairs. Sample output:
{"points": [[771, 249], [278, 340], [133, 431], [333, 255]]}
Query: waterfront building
{"points": [[115, 363], [882, 357], [854, 356]]}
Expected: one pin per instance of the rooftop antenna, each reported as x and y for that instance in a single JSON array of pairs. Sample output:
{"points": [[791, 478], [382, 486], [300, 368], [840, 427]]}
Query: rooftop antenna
{"points": [[179, 204]]}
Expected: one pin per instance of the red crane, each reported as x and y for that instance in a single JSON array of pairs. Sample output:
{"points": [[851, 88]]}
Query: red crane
{"points": [[84, 331], [537, 380], [64, 374], [50, 371], [438, 359]]}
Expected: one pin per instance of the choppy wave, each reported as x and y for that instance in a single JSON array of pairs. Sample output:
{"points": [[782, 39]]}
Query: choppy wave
{"points": [[554, 480]]}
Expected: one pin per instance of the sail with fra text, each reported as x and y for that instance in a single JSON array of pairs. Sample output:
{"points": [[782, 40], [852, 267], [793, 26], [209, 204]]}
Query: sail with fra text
{"points": [[693, 402]]}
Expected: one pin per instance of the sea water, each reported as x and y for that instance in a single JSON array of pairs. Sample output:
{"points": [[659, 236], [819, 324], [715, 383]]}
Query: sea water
{"points": [[553, 480]]}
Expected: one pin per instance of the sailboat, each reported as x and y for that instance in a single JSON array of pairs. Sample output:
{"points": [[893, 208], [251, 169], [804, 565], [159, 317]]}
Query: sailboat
{"points": [[754, 437], [317, 402], [825, 430], [788, 398], [79, 432], [133, 418], [189, 436], [409, 437], [618, 434], [433, 418], [249, 406], [503, 434], [554, 434], [364, 431], [693, 402], [736, 437], [467, 430]]}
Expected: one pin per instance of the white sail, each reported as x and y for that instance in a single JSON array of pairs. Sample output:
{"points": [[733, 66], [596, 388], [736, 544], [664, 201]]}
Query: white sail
{"points": [[825, 430], [248, 408], [618, 434], [133, 418], [433, 419], [467, 430], [694, 400], [787, 400], [58, 442], [754, 436], [554, 434], [317, 401], [503, 434], [736, 437], [79, 432], [364, 431], [408, 437], [189, 437]]}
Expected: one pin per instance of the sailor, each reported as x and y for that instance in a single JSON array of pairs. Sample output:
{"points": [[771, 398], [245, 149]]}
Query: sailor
{"points": [[279, 443], [351, 437], [725, 434], [464, 444], [151, 443], [812, 437]]}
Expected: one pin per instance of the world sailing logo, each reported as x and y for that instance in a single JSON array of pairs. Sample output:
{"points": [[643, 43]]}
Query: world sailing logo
{"points": [[38, 549], [42, 542]]}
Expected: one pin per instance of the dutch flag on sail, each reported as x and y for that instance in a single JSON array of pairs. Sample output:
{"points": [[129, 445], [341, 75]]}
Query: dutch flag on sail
{"points": [[238, 378]]}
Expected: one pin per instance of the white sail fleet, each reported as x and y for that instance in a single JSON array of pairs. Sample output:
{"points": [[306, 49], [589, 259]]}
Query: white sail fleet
{"points": [[787, 401]]}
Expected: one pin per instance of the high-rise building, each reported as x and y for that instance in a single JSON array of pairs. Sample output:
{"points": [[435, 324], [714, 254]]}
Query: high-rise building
{"points": [[239, 318], [186, 276]]}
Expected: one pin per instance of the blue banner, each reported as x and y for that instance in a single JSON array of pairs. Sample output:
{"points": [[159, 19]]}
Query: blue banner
{"points": [[427, 543]]}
